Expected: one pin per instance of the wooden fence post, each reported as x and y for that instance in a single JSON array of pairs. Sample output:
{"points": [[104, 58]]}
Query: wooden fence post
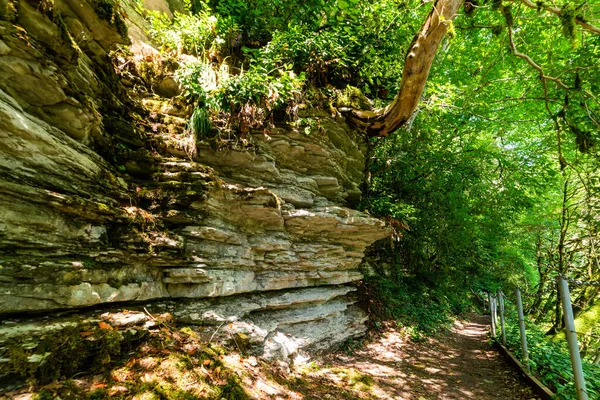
{"points": [[501, 300], [563, 288], [522, 328]]}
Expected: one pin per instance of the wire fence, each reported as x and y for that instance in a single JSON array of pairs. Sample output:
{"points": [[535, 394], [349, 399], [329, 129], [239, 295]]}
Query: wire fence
{"points": [[580, 282], [496, 300]]}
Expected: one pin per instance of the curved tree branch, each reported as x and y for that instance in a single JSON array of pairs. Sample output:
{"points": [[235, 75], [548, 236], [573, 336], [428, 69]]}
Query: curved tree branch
{"points": [[555, 10], [419, 59], [417, 64], [530, 61], [544, 78]]}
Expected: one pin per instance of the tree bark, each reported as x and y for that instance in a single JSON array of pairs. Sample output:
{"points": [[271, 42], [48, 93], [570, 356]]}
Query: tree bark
{"points": [[562, 265], [543, 272], [417, 64]]}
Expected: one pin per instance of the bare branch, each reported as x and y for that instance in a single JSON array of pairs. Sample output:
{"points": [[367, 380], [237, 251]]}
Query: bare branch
{"points": [[530, 61], [555, 10], [544, 78]]}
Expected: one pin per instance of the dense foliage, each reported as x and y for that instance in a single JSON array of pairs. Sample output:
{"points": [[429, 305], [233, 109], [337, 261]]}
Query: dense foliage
{"points": [[421, 307], [494, 183], [250, 64]]}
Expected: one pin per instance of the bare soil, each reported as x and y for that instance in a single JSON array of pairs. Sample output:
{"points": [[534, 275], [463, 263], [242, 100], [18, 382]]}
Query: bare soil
{"points": [[460, 364]]}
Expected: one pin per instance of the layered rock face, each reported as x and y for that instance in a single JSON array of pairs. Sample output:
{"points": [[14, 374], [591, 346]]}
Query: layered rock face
{"points": [[261, 239]]}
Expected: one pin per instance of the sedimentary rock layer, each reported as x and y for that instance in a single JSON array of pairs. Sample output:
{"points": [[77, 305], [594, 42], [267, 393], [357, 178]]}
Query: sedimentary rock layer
{"points": [[261, 237]]}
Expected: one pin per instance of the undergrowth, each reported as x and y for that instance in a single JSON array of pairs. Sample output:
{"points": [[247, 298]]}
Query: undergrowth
{"points": [[245, 67], [413, 304], [549, 359], [167, 363]]}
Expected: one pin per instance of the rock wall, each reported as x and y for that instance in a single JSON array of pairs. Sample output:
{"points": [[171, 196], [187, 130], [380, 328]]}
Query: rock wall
{"points": [[261, 238]]}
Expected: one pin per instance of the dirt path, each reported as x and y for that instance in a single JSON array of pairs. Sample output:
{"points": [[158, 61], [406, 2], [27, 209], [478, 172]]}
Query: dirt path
{"points": [[458, 365]]}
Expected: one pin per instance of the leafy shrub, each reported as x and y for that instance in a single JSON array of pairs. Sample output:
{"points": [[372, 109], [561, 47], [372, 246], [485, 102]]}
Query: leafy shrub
{"points": [[192, 34], [200, 33], [243, 100], [260, 18], [259, 87], [200, 123], [253, 96], [276, 43], [383, 205], [198, 79], [320, 54], [414, 304], [250, 97]]}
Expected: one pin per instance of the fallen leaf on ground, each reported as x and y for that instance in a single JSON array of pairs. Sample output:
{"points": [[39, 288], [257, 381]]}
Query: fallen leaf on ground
{"points": [[104, 325], [52, 386], [99, 385]]}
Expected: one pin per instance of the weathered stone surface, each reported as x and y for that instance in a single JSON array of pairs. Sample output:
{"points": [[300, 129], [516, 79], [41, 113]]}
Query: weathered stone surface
{"points": [[187, 275], [262, 238], [302, 170], [50, 73], [272, 324], [214, 311], [168, 87]]}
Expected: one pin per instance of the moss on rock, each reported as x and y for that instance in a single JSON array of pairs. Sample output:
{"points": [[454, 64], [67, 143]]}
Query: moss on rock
{"points": [[68, 351], [111, 12], [8, 10]]}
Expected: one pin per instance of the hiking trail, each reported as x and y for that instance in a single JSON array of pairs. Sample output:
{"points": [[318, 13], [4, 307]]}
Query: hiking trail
{"points": [[457, 365]]}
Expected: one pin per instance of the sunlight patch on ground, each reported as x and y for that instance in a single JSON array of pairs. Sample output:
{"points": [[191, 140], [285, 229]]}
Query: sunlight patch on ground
{"points": [[456, 366]]}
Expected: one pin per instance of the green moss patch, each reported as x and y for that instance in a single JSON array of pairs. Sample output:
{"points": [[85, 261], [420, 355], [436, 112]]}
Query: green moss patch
{"points": [[111, 12], [64, 352]]}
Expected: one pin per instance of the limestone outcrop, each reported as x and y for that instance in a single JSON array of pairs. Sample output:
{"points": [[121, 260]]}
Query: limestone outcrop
{"points": [[93, 213]]}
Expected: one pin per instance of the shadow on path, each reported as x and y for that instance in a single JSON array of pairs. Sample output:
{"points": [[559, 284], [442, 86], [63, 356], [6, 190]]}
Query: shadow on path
{"points": [[457, 365]]}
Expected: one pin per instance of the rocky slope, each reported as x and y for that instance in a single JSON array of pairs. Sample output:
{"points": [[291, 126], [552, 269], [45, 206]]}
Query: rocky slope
{"points": [[98, 213]]}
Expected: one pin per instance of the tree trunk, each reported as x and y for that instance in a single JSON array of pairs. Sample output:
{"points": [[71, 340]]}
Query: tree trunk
{"points": [[597, 358], [586, 299], [417, 64], [562, 265], [543, 272]]}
